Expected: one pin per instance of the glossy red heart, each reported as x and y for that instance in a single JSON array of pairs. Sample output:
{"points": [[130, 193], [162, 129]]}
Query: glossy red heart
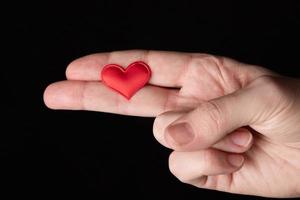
{"points": [[126, 81]]}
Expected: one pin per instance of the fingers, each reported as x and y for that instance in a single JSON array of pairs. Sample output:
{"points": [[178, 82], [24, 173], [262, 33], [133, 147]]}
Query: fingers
{"points": [[198, 166], [94, 96], [160, 124], [167, 67], [213, 120], [238, 141]]}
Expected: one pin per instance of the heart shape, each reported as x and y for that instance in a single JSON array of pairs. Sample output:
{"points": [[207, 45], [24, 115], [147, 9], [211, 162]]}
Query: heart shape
{"points": [[126, 81]]}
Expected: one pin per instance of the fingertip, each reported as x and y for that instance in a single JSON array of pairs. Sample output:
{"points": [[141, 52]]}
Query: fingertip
{"points": [[73, 70], [60, 96], [239, 141], [189, 166], [162, 121], [49, 96], [235, 160], [179, 168], [69, 73], [156, 129], [86, 68], [242, 138]]}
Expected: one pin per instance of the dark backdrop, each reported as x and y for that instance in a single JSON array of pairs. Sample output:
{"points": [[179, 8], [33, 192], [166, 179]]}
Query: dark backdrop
{"points": [[76, 152]]}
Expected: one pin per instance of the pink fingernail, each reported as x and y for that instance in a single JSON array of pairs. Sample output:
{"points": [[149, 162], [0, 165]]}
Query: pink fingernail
{"points": [[241, 138], [180, 134], [235, 160]]}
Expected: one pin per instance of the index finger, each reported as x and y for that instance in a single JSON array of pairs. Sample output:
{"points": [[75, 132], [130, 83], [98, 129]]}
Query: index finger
{"points": [[167, 68]]}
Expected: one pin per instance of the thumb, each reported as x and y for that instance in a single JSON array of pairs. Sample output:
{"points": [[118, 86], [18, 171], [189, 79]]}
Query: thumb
{"points": [[211, 121]]}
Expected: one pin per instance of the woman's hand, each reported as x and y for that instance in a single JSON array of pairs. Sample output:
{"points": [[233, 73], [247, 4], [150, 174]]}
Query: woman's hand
{"points": [[233, 127]]}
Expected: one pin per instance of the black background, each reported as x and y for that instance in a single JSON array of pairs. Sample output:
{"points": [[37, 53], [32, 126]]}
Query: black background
{"points": [[76, 152]]}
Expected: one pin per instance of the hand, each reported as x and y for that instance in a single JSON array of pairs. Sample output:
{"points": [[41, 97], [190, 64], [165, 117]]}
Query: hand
{"points": [[233, 127]]}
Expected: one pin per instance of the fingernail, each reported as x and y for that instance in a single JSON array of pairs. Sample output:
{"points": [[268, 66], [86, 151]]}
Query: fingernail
{"points": [[180, 134], [235, 160], [241, 138]]}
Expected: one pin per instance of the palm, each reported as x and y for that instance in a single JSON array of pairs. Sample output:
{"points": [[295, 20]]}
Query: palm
{"points": [[179, 82], [267, 170]]}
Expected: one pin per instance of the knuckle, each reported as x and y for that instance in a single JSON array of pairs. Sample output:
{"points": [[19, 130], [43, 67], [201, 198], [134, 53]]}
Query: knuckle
{"points": [[205, 60], [269, 83], [214, 115], [208, 160], [275, 89], [199, 62]]}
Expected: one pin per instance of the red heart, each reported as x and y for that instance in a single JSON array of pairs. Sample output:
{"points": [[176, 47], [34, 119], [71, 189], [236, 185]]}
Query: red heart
{"points": [[126, 81]]}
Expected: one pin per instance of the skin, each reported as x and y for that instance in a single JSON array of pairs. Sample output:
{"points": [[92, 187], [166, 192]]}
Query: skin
{"points": [[243, 120]]}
